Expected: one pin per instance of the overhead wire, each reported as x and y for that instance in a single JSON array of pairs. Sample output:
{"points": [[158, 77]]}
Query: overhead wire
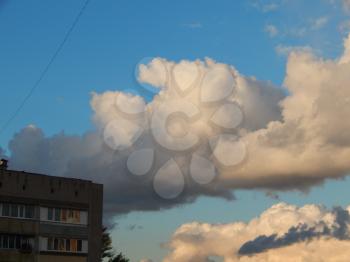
{"points": [[46, 68]]}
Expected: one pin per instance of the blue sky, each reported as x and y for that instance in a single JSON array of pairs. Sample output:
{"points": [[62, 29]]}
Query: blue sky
{"points": [[106, 45]]}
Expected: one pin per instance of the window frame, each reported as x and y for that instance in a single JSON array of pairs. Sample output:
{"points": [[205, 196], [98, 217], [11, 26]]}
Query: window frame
{"points": [[54, 244], [17, 211], [66, 216], [14, 242]]}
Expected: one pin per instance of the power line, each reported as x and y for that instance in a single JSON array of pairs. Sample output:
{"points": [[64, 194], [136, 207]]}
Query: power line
{"points": [[46, 69]]}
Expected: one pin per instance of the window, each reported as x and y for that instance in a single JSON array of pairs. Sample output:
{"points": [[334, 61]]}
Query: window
{"points": [[50, 243], [65, 215], [76, 218], [70, 215], [61, 245], [55, 244], [15, 242], [50, 213], [6, 210], [17, 211], [68, 244], [12, 241], [65, 245], [26, 243], [18, 243], [73, 245], [14, 210], [5, 241], [80, 245], [57, 214], [29, 213], [21, 211]]}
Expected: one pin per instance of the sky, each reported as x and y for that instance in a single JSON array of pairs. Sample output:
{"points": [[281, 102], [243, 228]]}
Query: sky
{"points": [[103, 53]]}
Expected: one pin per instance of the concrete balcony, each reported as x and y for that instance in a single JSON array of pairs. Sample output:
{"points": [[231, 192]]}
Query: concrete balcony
{"points": [[18, 226], [15, 256]]}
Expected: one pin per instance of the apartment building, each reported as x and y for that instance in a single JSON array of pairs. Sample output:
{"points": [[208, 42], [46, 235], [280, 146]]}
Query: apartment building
{"points": [[49, 219]]}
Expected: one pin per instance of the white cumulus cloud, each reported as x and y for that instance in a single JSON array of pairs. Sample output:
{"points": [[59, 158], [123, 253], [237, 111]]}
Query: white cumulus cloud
{"points": [[281, 233]]}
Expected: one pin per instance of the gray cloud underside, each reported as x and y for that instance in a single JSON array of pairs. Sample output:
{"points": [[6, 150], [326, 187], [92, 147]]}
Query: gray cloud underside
{"points": [[300, 233]]}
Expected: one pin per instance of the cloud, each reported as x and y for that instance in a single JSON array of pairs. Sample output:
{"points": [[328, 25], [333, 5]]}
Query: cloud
{"points": [[267, 7], [123, 126], [310, 135], [146, 260], [285, 50], [346, 5], [234, 125], [345, 59], [296, 234], [315, 251], [194, 25], [344, 27], [306, 28], [298, 31], [281, 233], [133, 227], [318, 23], [271, 30]]}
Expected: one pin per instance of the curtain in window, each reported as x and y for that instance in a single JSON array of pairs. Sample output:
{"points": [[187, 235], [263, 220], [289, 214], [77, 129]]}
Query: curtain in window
{"points": [[64, 215], [74, 245]]}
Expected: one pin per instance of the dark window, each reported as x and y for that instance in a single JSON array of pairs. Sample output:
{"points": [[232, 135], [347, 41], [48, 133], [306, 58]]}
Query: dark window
{"points": [[18, 242], [25, 243], [50, 243], [5, 241], [14, 210], [14, 242], [80, 245], [55, 244], [61, 243], [29, 212], [57, 214], [6, 210], [21, 211], [67, 244], [11, 241], [50, 213]]}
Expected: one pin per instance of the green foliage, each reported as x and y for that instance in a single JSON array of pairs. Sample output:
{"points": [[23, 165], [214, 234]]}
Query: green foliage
{"points": [[119, 258], [107, 251], [107, 248]]}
